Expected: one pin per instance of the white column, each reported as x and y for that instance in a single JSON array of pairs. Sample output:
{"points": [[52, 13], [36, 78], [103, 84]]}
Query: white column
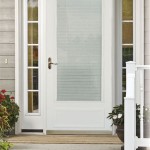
{"points": [[130, 128], [147, 62]]}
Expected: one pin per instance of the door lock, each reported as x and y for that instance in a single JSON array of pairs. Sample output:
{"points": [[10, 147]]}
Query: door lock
{"points": [[50, 63]]}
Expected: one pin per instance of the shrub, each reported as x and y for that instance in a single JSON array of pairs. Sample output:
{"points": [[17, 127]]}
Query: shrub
{"points": [[4, 145], [117, 115], [12, 108], [4, 125]]}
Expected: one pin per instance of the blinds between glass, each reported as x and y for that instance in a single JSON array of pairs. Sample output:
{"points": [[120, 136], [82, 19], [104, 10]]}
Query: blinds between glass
{"points": [[79, 42]]}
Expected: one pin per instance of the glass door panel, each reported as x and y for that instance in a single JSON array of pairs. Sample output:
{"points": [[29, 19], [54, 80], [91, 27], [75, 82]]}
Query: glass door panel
{"points": [[79, 50]]}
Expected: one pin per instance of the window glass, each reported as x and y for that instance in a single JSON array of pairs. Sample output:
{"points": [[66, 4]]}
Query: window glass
{"points": [[33, 102], [127, 54], [79, 39], [33, 79], [127, 33], [32, 55], [33, 10], [127, 13], [32, 33]]}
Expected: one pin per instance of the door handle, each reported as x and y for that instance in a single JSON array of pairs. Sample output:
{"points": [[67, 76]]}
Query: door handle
{"points": [[50, 63]]}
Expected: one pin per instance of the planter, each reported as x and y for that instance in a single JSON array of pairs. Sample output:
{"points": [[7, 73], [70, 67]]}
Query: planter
{"points": [[120, 133]]}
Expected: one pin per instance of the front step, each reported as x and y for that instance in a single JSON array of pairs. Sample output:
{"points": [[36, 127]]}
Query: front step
{"points": [[65, 139]]}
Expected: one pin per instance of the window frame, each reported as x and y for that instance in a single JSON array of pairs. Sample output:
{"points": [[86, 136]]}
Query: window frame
{"points": [[26, 68]]}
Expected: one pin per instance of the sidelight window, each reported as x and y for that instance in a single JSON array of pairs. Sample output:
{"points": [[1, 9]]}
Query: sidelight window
{"points": [[32, 56]]}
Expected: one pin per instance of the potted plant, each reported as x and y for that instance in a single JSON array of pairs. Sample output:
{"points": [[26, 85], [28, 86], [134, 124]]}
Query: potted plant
{"points": [[12, 108], [117, 117]]}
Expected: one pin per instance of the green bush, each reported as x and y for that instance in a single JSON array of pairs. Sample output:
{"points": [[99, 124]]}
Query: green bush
{"points": [[4, 145], [4, 125], [12, 107], [117, 115]]}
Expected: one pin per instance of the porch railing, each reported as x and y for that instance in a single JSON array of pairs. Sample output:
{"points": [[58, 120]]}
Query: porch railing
{"points": [[132, 142]]}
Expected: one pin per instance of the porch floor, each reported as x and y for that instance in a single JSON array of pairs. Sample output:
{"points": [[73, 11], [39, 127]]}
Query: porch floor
{"points": [[65, 139], [20, 146]]}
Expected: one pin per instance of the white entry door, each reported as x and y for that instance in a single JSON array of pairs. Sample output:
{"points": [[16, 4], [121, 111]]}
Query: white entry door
{"points": [[79, 65]]}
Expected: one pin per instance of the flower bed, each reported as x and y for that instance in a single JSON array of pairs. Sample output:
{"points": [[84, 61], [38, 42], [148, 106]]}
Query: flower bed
{"points": [[9, 114]]}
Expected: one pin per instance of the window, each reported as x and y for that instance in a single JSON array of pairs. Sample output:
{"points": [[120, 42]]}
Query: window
{"points": [[127, 39], [32, 64]]}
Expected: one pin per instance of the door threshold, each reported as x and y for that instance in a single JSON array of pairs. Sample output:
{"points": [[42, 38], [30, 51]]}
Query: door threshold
{"points": [[30, 133], [77, 132]]}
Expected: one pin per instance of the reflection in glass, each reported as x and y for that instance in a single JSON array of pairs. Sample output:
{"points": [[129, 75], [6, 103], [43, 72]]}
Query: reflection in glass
{"points": [[127, 33], [79, 39], [33, 33], [33, 10], [33, 79], [127, 54], [127, 9], [33, 56], [33, 102], [124, 79]]}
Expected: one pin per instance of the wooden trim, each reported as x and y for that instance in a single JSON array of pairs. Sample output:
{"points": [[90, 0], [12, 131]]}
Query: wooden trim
{"points": [[138, 41], [17, 61], [118, 53], [138, 31]]}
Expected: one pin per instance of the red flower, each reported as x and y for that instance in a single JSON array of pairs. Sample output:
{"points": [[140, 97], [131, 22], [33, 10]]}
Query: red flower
{"points": [[3, 91], [1, 100], [2, 96], [12, 97]]}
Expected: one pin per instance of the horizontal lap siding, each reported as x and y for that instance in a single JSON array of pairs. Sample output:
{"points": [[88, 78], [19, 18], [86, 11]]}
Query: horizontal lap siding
{"points": [[7, 13], [7, 4], [7, 25], [10, 62], [7, 37], [7, 74], [9, 85], [7, 45], [7, 49]]}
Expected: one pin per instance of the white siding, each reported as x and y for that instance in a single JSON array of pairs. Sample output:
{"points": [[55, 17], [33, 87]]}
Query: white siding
{"points": [[7, 45], [7, 25], [7, 4], [147, 61]]}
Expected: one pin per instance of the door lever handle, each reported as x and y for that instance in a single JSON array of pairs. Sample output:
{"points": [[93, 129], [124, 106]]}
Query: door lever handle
{"points": [[50, 63]]}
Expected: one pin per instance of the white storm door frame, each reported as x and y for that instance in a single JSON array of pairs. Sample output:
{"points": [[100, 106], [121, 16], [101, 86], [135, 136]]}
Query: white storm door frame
{"points": [[108, 46]]}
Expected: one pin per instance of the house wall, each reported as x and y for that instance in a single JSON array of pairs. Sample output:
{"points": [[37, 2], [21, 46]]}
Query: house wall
{"points": [[7, 45], [147, 61]]}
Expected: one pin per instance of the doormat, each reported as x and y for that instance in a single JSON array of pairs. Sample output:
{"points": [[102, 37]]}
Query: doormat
{"points": [[65, 139]]}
